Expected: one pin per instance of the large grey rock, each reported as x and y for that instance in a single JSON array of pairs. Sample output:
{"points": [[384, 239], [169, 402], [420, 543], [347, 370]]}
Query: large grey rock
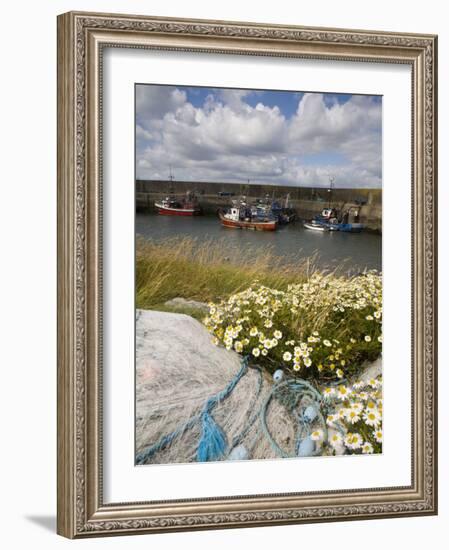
{"points": [[371, 370]]}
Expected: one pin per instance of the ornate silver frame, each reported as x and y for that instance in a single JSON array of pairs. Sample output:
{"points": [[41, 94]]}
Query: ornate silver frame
{"points": [[81, 37]]}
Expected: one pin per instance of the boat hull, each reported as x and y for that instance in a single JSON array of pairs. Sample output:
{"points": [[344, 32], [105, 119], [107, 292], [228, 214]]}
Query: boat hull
{"points": [[170, 211], [351, 227], [242, 224], [316, 227]]}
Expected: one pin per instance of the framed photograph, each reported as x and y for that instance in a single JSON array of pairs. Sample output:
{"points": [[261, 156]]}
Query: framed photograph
{"points": [[246, 274]]}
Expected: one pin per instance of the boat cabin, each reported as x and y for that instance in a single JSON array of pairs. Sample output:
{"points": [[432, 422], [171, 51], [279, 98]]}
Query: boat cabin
{"points": [[328, 213], [234, 214]]}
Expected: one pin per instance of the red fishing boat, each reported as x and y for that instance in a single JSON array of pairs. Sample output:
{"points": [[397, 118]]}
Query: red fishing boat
{"points": [[173, 206], [240, 218]]}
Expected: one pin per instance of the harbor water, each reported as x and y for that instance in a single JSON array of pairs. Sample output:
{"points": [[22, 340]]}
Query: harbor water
{"points": [[356, 251]]}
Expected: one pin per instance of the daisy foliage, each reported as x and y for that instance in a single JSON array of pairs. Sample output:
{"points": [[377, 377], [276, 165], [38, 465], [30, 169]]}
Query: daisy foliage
{"points": [[323, 328]]}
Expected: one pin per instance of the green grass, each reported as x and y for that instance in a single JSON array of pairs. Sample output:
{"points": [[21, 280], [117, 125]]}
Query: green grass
{"points": [[207, 270], [196, 313]]}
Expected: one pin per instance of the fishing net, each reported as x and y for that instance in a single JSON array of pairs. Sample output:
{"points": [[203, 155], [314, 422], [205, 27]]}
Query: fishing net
{"points": [[196, 401]]}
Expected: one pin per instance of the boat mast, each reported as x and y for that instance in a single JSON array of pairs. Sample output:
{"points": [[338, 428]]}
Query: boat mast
{"points": [[170, 178], [330, 189]]}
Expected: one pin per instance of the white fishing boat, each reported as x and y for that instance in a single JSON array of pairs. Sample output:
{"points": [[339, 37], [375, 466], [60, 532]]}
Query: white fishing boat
{"points": [[316, 226]]}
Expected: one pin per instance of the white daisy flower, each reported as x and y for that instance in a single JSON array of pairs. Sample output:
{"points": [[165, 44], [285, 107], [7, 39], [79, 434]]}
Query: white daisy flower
{"points": [[287, 356], [277, 334], [253, 331], [372, 417], [343, 392], [378, 435], [307, 361], [328, 392], [238, 346], [335, 439], [264, 352], [352, 416], [367, 448], [317, 435], [256, 352], [367, 338], [353, 440], [357, 406], [327, 343]]}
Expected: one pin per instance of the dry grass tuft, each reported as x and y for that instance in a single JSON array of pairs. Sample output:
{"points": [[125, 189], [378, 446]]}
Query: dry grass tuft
{"points": [[208, 270]]}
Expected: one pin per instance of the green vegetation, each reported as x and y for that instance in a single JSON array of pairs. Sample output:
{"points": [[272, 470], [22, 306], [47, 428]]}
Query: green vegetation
{"points": [[323, 328], [207, 271]]}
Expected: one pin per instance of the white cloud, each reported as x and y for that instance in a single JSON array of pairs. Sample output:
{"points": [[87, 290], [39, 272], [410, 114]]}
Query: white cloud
{"points": [[153, 102], [226, 139]]}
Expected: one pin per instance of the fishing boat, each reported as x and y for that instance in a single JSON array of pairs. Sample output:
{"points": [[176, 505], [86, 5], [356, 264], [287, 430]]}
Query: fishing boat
{"points": [[173, 206], [282, 213], [240, 218], [348, 222], [316, 226]]}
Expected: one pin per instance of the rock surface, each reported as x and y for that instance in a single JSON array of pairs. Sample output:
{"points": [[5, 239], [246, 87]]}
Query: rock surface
{"points": [[371, 370]]}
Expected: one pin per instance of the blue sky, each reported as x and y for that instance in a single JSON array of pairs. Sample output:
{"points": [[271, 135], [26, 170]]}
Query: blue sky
{"points": [[272, 137]]}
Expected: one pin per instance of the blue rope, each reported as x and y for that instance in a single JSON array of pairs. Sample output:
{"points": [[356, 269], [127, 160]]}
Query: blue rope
{"points": [[213, 444], [290, 393]]}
